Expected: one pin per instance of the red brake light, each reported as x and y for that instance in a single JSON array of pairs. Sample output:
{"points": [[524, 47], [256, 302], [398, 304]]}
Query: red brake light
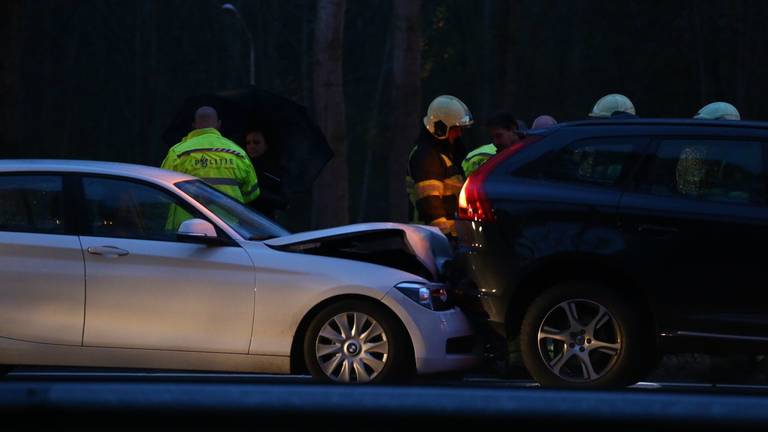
{"points": [[473, 202]]}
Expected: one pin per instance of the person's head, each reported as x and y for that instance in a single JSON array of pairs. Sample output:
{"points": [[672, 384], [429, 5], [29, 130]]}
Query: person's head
{"points": [[255, 144], [543, 121], [503, 129], [718, 111], [446, 116], [608, 105], [522, 127], [206, 117]]}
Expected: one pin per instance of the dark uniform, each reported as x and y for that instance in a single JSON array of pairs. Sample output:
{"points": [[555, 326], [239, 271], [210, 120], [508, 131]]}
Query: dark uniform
{"points": [[272, 197], [435, 180]]}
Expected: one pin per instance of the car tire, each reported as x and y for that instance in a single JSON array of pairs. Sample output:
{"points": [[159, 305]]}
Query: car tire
{"points": [[582, 335], [376, 351]]}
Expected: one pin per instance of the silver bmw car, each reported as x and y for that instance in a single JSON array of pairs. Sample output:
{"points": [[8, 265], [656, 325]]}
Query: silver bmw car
{"points": [[117, 265]]}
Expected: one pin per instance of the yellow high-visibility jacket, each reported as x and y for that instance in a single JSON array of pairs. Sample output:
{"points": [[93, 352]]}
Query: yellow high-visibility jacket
{"points": [[218, 161], [221, 163], [477, 157]]}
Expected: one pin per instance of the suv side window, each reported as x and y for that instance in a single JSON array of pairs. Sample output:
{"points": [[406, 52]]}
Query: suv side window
{"points": [[708, 169], [599, 161], [32, 203], [119, 208]]}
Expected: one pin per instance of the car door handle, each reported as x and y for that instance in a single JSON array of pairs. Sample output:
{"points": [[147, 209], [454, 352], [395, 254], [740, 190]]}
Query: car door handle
{"points": [[107, 251]]}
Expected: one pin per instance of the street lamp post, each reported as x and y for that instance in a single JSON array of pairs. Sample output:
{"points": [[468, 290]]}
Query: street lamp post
{"points": [[229, 7]]}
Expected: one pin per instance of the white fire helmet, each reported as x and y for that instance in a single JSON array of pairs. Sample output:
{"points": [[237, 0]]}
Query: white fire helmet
{"points": [[718, 111], [609, 104], [444, 113]]}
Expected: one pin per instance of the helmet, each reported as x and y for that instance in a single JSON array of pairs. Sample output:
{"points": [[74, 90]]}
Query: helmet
{"points": [[609, 104], [718, 111], [543, 121], [444, 113]]}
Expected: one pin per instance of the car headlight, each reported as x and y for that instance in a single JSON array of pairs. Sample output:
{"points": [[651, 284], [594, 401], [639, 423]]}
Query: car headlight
{"points": [[430, 295]]}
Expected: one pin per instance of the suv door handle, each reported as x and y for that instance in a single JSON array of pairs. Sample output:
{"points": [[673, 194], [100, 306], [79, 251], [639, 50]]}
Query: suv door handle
{"points": [[107, 251], [656, 229]]}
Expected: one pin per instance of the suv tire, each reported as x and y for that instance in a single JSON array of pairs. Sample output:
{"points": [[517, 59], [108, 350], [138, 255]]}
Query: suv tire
{"points": [[582, 335]]}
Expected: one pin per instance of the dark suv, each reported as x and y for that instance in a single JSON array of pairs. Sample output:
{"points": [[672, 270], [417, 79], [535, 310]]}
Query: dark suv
{"points": [[605, 243]]}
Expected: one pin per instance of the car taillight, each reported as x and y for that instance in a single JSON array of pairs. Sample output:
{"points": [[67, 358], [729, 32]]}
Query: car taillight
{"points": [[473, 201]]}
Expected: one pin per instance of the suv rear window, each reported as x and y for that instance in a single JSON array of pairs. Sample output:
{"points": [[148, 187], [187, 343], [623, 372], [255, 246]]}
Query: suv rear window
{"points": [[708, 169], [598, 161]]}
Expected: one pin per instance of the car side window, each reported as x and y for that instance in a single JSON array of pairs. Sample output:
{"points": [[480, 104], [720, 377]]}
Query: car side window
{"points": [[706, 169], [599, 161], [32, 203], [119, 208]]}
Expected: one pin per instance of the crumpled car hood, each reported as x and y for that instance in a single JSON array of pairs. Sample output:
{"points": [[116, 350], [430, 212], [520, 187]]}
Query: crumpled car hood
{"points": [[417, 249]]}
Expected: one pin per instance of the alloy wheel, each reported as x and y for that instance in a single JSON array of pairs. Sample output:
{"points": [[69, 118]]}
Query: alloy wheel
{"points": [[579, 340], [352, 347]]}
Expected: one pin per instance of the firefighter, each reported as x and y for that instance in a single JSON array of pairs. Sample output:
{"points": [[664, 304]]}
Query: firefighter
{"points": [[504, 130], [718, 111], [435, 177], [221, 163], [613, 106]]}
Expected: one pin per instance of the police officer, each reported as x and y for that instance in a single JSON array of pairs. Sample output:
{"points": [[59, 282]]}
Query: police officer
{"points": [[504, 130], [435, 177], [218, 161]]}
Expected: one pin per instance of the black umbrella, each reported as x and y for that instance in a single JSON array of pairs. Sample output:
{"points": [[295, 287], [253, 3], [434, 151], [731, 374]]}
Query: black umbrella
{"points": [[291, 134]]}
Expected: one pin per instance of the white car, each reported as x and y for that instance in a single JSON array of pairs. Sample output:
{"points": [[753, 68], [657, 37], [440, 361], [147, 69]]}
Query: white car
{"points": [[94, 273]]}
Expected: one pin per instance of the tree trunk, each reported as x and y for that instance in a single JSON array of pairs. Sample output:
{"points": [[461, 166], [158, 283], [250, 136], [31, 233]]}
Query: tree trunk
{"points": [[331, 197], [487, 69], [372, 148], [508, 58], [306, 52], [10, 65], [743, 30], [406, 94], [701, 53]]}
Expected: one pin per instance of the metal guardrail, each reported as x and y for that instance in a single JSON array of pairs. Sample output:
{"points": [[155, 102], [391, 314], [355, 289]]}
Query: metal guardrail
{"points": [[285, 406]]}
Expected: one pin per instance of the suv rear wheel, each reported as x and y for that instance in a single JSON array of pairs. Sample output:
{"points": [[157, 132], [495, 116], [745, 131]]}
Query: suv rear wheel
{"points": [[581, 335]]}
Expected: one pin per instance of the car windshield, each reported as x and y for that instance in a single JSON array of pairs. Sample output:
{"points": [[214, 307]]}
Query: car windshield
{"points": [[248, 223]]}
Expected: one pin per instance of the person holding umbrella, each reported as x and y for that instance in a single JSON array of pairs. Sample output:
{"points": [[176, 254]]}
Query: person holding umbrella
{"points": [[266, 162], [295, 142], [205, 153], [297, 149]]}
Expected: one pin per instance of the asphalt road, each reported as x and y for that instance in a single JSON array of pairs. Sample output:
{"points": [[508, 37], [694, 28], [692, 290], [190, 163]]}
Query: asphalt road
{"points": [[141, 400]]}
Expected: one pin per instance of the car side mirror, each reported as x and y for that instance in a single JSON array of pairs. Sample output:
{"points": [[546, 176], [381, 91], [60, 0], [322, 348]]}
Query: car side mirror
{"points": [[197, 231]]}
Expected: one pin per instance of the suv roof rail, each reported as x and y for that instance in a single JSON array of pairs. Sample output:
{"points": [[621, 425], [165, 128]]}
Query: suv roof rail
{"points": [[668, 122]]}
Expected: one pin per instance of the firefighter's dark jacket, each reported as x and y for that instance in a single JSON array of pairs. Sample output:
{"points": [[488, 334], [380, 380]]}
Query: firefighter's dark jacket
{"points": [[435, 170]]}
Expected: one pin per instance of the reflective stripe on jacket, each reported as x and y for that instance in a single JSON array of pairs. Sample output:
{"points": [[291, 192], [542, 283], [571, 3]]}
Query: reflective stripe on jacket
{"points": [[221, 163], [204, 153], [477, 157], [436, 183]]}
